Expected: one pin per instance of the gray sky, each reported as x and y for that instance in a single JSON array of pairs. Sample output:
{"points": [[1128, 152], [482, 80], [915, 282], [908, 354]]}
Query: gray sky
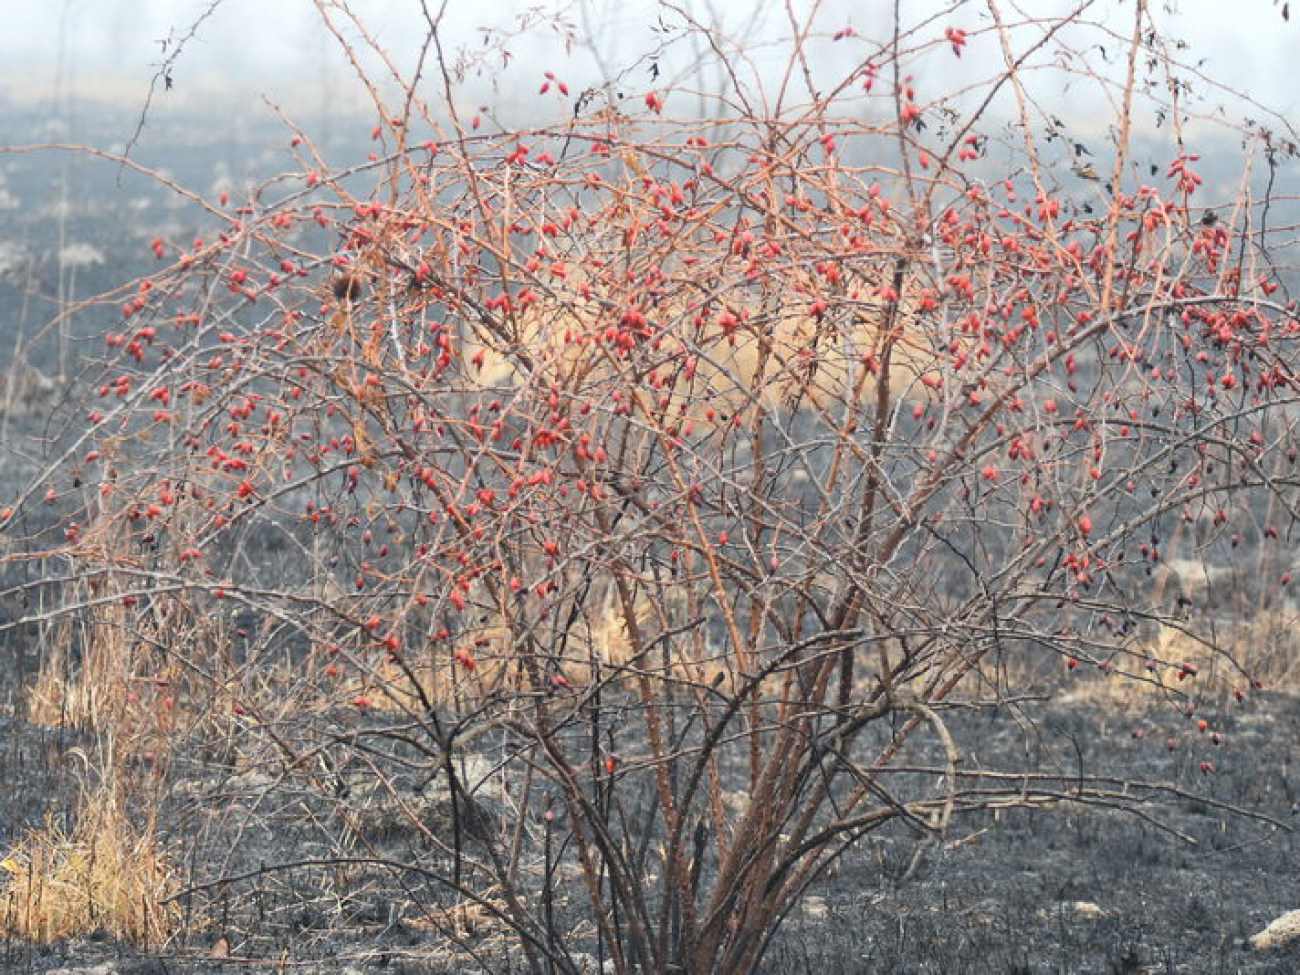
{"points": [[277, 48]]}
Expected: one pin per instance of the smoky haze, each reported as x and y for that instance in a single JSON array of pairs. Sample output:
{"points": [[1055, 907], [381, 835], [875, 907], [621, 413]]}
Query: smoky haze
{"points": [[243, 51]]}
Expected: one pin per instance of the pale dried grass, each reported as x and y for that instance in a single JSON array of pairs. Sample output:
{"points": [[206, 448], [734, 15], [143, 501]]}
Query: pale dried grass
{"points": [[773, 351], [108, 670], [1209, 663], [107, 875], [486, 663]]}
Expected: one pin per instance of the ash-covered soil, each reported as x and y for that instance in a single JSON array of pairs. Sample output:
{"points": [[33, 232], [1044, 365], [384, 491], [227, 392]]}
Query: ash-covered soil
{"points": [[330, 868], [1177, 888]]}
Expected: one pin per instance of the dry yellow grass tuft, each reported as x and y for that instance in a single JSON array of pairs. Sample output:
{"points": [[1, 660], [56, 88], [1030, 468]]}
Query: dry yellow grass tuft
{"points": [[89, 693], [775, 351], [1230, 660], [108, 874], [106, 671], [487, 662]]}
